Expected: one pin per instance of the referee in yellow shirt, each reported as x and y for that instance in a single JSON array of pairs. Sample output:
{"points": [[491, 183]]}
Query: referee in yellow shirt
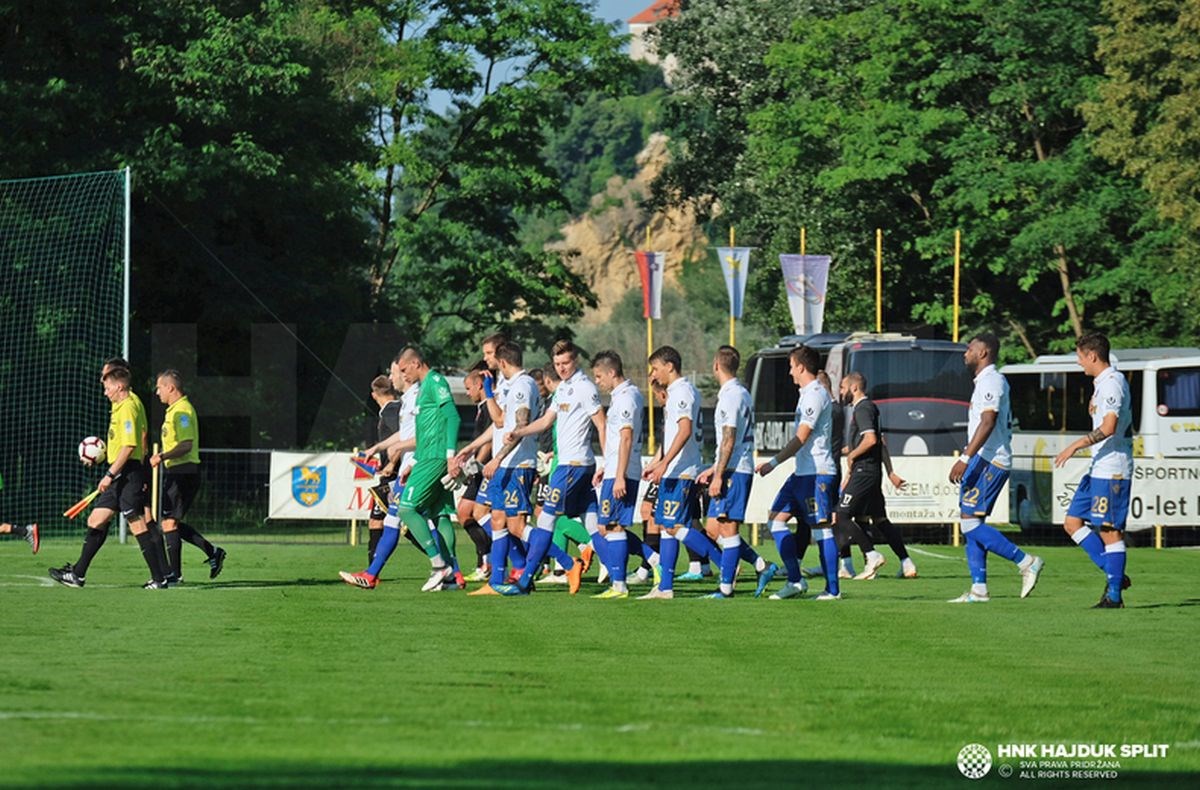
{"points": [[180, 458], [123, 487]]}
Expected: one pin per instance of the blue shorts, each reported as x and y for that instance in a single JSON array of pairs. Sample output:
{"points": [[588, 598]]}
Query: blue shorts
{"points": [[676, 503], [570, 492], [735, 495], [1101, 502], [511, 489], [618, 511], [980, 488], [810, 498], [481, 496]]}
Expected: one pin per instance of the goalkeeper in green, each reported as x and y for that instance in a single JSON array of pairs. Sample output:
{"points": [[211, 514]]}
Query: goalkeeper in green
{"points": [[424, 499]]}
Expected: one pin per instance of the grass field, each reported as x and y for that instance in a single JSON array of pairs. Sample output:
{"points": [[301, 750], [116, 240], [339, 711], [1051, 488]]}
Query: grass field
{"points": [[278, 674]]}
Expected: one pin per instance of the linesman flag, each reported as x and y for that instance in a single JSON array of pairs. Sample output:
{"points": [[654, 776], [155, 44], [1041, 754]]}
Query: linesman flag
{"points": [[650, 267], [735, 263], [806, 277]]}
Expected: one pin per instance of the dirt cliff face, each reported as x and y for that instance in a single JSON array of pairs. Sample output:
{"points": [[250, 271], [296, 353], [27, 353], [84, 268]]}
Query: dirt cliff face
{"points": [[599, 245]]}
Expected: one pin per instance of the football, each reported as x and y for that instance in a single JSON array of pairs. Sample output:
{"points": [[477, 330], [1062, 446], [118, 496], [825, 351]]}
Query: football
{"points": [[91, 449]]}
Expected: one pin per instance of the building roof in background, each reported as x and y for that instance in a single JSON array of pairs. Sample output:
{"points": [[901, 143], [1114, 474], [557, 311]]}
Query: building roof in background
{"points": [[660, 9]]}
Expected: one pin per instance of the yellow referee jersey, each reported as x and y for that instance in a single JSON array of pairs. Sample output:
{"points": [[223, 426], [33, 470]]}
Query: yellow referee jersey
{"points": [[127, 427], [179, 425]]}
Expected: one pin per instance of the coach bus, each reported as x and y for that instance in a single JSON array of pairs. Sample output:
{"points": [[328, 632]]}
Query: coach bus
{"points": [[921, 386], [1050, 410]]}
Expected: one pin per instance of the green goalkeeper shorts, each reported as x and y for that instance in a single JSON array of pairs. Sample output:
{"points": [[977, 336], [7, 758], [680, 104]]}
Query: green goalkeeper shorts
{"points": [[424, 492]]}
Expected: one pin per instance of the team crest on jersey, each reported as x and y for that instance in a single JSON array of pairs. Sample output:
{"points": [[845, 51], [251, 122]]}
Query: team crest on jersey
{"points": [[309, 484], [682, 404], [184, 420], [520, 396], [128, 426], [988, 396]]}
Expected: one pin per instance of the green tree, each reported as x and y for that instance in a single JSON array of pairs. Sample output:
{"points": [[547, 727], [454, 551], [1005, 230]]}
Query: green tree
{"points": [[1146, 119]]}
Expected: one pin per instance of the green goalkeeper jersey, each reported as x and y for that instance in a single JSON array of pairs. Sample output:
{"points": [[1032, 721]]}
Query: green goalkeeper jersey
{"points": [[437, 419]]}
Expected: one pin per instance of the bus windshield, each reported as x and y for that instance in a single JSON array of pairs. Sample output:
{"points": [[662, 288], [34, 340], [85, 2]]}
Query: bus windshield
{"points": [[925, 373]]}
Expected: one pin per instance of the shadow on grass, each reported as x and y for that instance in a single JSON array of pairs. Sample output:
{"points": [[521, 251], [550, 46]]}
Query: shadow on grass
{"points": [[1167, 605], [257, 583], [540, 774]]}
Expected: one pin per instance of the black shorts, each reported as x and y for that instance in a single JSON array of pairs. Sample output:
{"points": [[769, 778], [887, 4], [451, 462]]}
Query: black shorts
{"points": [[863, 496], [378, 513], [651, 493], [128, 492], [471, 492], [178, 492], [542, 487]]}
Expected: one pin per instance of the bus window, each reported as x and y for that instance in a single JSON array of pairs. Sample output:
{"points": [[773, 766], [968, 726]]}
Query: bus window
{"points": [[1034, 404], [1134, 378], [1179, 392], [927, 373], [775, 391]]}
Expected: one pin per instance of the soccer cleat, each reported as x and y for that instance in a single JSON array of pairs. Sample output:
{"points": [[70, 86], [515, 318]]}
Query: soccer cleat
{"points": [[66, 576], [514, 575], [602, 575], [1109, 603], [689, 577], [153, 585], [31, 535], [554, 578], [1126, 582], [216, 562], [640, 576], [364, 579], [871, 569], [512, 589], [612, 594], [436, 577], [843, 573], [706, 570], [970, 597], [575, 577], [586, 553], [486, 589], [480, 575], [381, 493], [908, 570], [764, 578], [718, 596], [790, 590], [812, 573], [1029, 576], [828, 596], [657, 594], [656, 573]]}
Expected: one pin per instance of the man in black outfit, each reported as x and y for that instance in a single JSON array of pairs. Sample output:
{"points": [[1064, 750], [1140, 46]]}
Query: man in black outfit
{"points": [[862, 496]]}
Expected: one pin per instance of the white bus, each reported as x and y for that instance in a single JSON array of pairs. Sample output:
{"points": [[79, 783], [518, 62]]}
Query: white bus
{"points": [[1050, 410]]}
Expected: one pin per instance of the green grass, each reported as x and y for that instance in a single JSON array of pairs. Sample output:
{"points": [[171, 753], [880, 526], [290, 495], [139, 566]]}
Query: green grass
{"points": [[279, 674]]}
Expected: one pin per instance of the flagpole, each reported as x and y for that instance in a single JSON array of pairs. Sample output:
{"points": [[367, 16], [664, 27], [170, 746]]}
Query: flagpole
{"points": [[957, 257], [803, 285], [732, 330], [879, 279], [649, 351]]}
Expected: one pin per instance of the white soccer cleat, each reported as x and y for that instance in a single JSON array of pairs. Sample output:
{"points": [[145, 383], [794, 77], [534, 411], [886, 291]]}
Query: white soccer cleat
{"points": [[970, 597], [658, 594], [553, 578], [1029, 576], [908, 570], [602, 575], [439, 575], [828, 596], [640, 576], [872, 567], [789, 590]]}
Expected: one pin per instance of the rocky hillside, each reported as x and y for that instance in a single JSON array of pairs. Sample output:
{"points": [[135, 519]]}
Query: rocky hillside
{"points": [[599, 245]]}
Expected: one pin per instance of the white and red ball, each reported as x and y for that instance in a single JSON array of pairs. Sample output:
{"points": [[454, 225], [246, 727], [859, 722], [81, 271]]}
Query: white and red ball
{"points": [[91, 450]]}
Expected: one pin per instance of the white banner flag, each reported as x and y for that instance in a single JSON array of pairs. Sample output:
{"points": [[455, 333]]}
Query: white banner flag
{"points": [[318, 486], [805, 277], [735, 263]]}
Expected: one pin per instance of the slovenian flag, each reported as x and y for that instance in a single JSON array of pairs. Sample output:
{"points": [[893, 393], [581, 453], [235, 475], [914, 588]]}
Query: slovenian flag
{"points": [[650, 267]]}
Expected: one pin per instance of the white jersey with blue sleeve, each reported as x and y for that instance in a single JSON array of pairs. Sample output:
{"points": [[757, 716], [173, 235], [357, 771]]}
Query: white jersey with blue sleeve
{"points": [[682, 401], [575, 402], [408, 422], [991, 394], [522, 393], [625, 410], [815, 409], [735, 410], [1113, 457]]}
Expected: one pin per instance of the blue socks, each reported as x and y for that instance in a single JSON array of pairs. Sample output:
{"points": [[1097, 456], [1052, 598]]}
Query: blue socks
{"points": [[730, 556], [785, 541], [997, 544], [387, 544], [497, 557], [1114, 557], [618, 555], [669, 551], [827, 545], [1090, 542], [698, 541]]}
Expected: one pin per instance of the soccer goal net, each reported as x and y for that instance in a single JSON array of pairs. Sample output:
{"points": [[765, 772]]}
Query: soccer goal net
{"points": [[63, 270]]}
